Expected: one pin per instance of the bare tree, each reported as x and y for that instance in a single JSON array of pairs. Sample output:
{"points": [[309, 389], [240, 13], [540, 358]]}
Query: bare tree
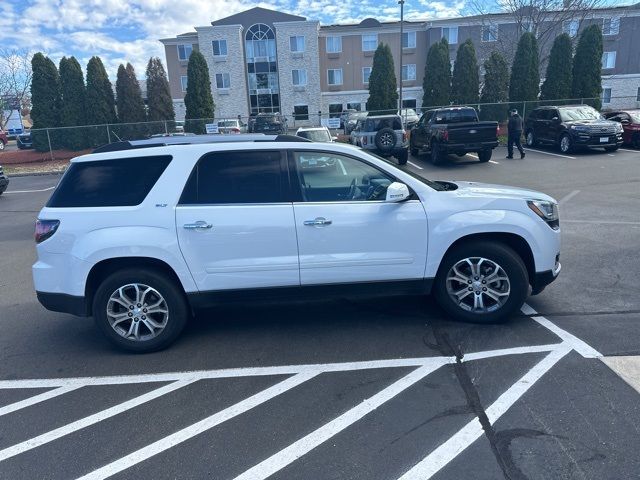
{"points": [[15, 82]]}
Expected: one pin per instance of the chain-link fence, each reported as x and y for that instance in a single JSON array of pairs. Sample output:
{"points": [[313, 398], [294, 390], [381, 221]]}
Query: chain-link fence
{"points": [[63, 143]]}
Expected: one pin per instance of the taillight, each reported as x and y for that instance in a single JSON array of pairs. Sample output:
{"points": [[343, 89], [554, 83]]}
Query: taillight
{"points": [[404, 137], [445, 135], [364, 140], [235, 130], [45, 229]]}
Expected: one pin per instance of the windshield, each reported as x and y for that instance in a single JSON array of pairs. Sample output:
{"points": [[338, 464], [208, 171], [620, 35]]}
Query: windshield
{"points": [[579, 113], [315, 135]]}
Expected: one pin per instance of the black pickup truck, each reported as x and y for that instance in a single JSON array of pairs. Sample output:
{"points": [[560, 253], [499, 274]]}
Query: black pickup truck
{"points": [[453, 130]]}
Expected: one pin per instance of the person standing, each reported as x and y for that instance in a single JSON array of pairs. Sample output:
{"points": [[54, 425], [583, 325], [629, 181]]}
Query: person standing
{"points": [[515, 133]]}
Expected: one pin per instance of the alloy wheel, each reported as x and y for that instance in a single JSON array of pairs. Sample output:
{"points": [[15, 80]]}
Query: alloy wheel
{"points": [[565, 144], [137, 312], [478, 285]]}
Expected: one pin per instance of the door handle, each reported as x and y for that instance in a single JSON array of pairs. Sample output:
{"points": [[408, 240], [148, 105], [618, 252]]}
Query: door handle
{"points": [[316, 222], [200, 225]]}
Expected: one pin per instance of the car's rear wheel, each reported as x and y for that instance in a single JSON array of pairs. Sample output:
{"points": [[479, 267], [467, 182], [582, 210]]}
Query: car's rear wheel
{"points": [[385, 140], [530, 139], [481, 282], [1, 145], [565, 143], [413, 149], [140, 310], [485, 155], [403, 156]]}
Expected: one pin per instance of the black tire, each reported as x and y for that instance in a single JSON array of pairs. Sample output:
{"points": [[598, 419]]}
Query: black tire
{"points": [[414, 150], [485, 155], [565, 148], [403, 156], [611, 149], [461, 154], [177, 307], [1, 145], [436, 154], [502, 255], [530, 139], [385, 140]]}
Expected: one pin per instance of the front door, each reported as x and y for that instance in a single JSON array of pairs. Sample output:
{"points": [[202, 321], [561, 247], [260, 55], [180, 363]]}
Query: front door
{"points": [[235, 227], [346, 231]]}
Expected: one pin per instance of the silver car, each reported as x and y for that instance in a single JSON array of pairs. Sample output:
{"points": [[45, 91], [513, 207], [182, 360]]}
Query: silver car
{"points": [[384, 135]]}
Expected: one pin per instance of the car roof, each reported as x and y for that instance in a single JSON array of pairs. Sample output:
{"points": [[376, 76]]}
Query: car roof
{"points": [[310, 129], [392, 115]]}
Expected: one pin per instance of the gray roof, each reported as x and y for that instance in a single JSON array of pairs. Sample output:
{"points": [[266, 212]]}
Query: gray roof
{"points": [[263, 14]]}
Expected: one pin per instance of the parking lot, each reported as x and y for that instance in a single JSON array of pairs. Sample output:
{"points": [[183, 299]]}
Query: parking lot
{"points": [[384, 388]]}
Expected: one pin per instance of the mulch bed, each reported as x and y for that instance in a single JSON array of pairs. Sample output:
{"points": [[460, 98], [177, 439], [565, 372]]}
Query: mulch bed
{"points": [[21, 157]]}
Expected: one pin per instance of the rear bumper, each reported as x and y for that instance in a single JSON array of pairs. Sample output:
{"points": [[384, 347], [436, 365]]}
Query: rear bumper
{"points": [[467, 147], [61, 302]]}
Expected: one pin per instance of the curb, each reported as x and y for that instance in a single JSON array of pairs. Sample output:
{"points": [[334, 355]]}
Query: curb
{"points": [[33, 174]]}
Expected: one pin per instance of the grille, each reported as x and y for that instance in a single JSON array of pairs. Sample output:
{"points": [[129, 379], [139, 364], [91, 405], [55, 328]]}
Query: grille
{"points": [[605, 130]]}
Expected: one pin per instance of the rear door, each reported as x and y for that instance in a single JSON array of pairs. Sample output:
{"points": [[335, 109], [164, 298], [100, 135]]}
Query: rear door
{"points": [[235, 227], [346, 231]]}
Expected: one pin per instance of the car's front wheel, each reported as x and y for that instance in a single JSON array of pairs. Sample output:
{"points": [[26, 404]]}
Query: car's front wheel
{"points": [[481, 282], [140, 310], [530, 139], [1, 145], [565, 143]]}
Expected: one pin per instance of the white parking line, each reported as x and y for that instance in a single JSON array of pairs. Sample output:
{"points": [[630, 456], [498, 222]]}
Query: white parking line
{"points": [[601, 222], [468, 434], [303, 446], [29, 191], [198, 428], [568, 197], [549, 153], [37, 399], [414, 165], [494, 162], [627, 150], [472, 155], [578, 345]]}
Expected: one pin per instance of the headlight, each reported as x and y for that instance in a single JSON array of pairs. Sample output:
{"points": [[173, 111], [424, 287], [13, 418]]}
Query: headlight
{"points": [[619, 128], [547, 211]]}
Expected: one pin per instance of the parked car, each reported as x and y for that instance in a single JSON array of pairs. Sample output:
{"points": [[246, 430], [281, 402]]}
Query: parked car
{"points": [[4, 181], [23, 141], [453, 130], [571, 127], [351, 120], [630, 121], [384, 135], [272, 123], [205, 223], [409, 117], [315, 134], [4, 139], [344, 116], [179, 126], [232, 126]]}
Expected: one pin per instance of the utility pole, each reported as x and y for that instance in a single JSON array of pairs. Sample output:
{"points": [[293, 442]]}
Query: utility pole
{"points": [[401, 3]]}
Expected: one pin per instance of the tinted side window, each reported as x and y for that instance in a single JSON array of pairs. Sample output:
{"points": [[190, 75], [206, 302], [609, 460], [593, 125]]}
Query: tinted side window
{"points": [[462, 116], [235, 177], [108, 183]]}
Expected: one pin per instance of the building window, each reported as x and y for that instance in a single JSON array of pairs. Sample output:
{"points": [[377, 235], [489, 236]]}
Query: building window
{"points": [[366, 73], [184, 51], [223, 80], [451, 34], [183, 82], [409, 72], [611, 26], [489, 33], [354, 106], [369, 42], [299, 77], [570, 27], [608, 60], [334, 44], [408, 39], [219, 48], [335, 109], [297, 44], [301, 112], [606, 95], [409, 103], [334, 76]]}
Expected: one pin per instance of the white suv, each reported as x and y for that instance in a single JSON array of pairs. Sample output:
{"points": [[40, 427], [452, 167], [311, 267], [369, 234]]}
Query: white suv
{"points": [[141, 237]]}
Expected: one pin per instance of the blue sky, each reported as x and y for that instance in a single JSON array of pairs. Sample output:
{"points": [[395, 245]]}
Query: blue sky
{"points": [[120, 31]]}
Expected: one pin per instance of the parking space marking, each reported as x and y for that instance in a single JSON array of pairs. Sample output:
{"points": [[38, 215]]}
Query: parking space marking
{"points": [[601, 222], [30, 191], [568, 197], [468, 434], [198, 428], [578, 345], [549, 153], [90, 420], [414, 165], [27, 402], [627, 150], [494, 162]]}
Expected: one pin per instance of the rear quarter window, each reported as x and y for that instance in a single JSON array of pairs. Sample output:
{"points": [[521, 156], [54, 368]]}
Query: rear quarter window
{"points": [[109, 183]]}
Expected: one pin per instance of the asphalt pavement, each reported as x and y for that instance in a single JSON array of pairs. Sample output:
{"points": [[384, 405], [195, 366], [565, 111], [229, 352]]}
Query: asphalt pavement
{"points": [[384, 388]]}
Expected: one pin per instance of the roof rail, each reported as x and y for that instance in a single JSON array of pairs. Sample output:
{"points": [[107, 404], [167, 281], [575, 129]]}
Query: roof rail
{"points": [[195, 140]]}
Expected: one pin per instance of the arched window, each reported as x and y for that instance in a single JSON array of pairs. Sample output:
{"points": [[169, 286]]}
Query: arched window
{"points": [[262, 69]]}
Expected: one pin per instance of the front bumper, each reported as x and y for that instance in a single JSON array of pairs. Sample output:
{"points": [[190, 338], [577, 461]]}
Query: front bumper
{"points": [[61, 302], [594, 140], [542, 279]]}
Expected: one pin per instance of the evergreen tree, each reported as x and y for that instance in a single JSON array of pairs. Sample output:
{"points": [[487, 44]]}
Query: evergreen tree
{"points": [[45, 99], [495, 88], [383, 96], [465, 83], [198, 99], [437, 76], [73, 106], [525, 75], [587, 66], [101, 103], [558, 81], [160, 105], [129, 103]]}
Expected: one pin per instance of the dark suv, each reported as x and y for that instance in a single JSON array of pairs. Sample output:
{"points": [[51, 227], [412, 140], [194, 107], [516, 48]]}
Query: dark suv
{"points": [[270, 123], [571, 127]]}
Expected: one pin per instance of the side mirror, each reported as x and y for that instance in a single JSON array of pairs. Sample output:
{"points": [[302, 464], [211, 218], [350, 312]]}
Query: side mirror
{"points": [[397, 192], [555, 119], [624, 122]]}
